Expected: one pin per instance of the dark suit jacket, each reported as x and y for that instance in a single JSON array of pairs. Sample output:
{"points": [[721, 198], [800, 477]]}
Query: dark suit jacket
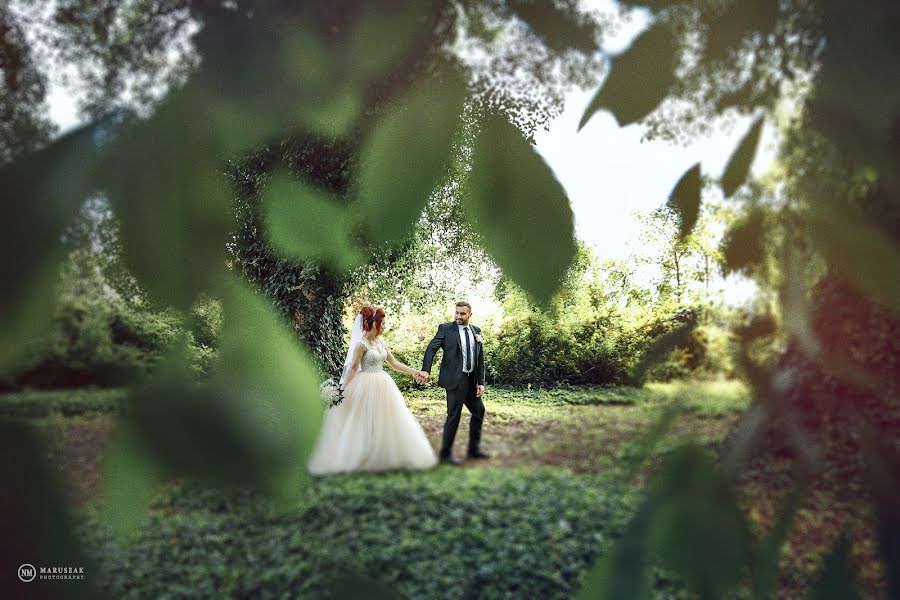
{"points": [[447, 339]]}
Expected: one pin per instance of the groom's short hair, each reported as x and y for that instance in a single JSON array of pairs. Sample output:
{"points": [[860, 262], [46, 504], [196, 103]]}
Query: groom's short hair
{"points": [[464, 303]]}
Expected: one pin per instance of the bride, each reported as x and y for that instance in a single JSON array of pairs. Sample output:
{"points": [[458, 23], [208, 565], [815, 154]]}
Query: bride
{"points": [[372, 429]]}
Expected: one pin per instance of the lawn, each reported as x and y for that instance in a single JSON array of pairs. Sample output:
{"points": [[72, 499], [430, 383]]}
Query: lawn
{"points": [[526, 523]]}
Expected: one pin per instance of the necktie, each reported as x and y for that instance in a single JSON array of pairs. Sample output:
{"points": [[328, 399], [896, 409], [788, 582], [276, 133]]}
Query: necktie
{"points": [[468, 351]]}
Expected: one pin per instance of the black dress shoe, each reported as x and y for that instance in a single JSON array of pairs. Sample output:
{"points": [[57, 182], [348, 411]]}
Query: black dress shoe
{"points": [[479, 454], [451, 460]]}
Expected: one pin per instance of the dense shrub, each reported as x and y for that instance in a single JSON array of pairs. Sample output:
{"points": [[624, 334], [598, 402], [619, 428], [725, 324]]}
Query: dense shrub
{"points": [[98, 337], [532, 350]]}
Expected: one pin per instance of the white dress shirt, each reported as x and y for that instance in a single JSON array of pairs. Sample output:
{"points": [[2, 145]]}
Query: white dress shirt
{"points": [[462, 342]]}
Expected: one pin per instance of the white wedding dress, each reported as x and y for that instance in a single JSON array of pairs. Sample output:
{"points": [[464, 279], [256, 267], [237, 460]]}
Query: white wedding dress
{"points": [[372, 429]]}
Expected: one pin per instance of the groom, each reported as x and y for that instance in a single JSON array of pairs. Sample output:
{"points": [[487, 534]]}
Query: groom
{"points": [[462, 375]]}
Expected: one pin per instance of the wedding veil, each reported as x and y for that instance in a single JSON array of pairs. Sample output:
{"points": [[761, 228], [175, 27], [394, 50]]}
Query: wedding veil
{"points": [[355, 335]]}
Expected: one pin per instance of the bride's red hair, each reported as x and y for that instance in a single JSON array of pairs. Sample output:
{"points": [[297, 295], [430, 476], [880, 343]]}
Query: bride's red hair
{"points": [[372, 317]]}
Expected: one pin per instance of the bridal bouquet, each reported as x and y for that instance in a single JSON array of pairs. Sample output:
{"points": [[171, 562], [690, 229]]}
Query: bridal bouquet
{"points": [[332, 393]]}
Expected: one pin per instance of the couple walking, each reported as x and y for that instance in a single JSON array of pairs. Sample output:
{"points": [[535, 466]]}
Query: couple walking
{"points": [[373, 430]]}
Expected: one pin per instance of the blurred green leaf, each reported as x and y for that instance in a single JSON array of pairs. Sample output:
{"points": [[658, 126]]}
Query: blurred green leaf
{"points": [[743, 245], [731, 26], [623, 572], [164, 180], [187, 428], [41, 195], [557, 29], [859, 251], [766, 567], [857, 88], [512, 195], [263, 73], [407, 155], [382, 34], [651, 438], [685, 199], [302, 222], [697, 529], [334, 115], [882, 470], [323, 98], [34, 518], [660, 348], [269, 382], [639, 79], [838, 580], [130, 474], [738, 167], [254, 423]]}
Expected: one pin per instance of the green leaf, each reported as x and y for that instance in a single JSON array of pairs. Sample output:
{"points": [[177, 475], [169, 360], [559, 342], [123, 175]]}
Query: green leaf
{"points": [[857, 90], [35, 513], [697, 529], [302, 222], [519, 209], [41, 195], [738, 167], [164, 180], [744, 243], [623, 571], [731, 26], [639, 79], [381, 37], [334, 115], [770, 550], [864, 255], [644, 447], [130, 474], [685, 200], [838, 580], [322, 97], [407, 155], [558, 29], [882, 470], [660, 348], [269, 379], [254, 423]]}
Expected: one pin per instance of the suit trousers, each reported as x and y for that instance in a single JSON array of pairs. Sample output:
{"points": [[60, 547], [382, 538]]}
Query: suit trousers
{"points": [[464, 394]]}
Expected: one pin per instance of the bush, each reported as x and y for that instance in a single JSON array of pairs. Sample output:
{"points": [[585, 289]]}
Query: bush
{"points": [[533, 350], [97, 337]]}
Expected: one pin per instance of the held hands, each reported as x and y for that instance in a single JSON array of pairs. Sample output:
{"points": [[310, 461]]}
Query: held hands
{"points": [[420, 376]]}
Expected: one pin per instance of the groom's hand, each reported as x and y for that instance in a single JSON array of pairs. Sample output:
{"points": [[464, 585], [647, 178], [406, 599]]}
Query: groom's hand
{"points": [[479, 390]]}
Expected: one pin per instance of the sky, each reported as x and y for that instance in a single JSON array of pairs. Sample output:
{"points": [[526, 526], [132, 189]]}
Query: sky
{"points": [[607, 172]]}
